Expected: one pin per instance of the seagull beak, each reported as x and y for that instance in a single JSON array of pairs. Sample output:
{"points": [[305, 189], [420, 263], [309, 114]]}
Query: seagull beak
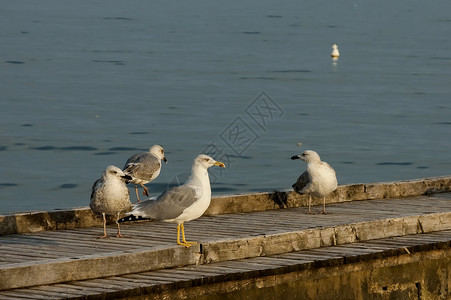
{"points": [[165, 160], [295, 157], [220, 164], [127, 178]]}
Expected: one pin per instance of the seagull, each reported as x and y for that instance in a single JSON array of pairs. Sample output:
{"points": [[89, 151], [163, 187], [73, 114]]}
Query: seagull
{"points": [[110, 196], [319, 180], [145, 167], [335, 52], [182, 203]]}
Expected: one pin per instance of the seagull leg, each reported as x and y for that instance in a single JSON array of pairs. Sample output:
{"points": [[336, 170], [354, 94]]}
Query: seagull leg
{"points": [[146, 191], [309, 201], [136, 191], [183, 237], [119, 235], [178, 236], [104, 228], [323, 212]]}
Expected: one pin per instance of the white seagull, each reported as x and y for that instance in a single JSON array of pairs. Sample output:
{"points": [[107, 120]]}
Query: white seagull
{"points": [[181, 203], [335, 52], [145, 167], [110, 196], [319, 180]]}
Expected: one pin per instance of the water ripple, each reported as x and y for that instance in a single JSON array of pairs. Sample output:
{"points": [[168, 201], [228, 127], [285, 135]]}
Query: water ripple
{"points": [[391, 163]]}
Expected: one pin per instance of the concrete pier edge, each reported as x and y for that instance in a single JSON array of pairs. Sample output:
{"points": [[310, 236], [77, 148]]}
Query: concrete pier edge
{"points": [[37, 221], [128, 262]]}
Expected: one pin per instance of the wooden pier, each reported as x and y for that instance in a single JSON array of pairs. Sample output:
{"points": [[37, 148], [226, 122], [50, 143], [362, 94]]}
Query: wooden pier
{"points": [[242, 252]]}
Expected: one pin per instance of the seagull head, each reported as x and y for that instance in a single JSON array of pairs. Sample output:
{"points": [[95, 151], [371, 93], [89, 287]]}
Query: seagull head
{"points": [[307, 156], [158, 152], [206, 161], [113, 171]]}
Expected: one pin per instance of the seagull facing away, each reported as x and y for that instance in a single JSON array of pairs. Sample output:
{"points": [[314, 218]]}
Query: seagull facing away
{"points": [[335, 52], [319, 180], [145, 167], [182, 203], [110, 196]]}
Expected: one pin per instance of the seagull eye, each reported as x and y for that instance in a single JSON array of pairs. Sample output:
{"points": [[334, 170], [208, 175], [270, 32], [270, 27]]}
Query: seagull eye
{"points": [[206, 159]]}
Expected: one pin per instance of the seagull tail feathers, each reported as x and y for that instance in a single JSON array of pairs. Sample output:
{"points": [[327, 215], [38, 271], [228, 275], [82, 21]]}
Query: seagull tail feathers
{"points": [[131, 218]]}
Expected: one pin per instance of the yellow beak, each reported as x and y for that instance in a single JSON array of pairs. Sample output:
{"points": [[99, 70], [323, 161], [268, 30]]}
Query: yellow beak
{"points": [[220, 164]]}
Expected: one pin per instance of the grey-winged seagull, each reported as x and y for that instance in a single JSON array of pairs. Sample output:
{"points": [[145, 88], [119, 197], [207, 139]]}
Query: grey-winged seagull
{"points": [[110, 196], [145, 167], [182, 203], [319, 180]]}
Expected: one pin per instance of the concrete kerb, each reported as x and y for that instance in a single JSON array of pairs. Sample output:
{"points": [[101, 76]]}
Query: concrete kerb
{"points": [[83, 216]]}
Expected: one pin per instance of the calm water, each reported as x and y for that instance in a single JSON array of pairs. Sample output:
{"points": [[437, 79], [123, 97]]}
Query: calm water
{"points": [[86, 84]]}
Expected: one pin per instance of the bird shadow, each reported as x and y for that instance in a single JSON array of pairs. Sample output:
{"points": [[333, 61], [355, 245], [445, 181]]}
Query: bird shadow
{"points": [[279, 198]]}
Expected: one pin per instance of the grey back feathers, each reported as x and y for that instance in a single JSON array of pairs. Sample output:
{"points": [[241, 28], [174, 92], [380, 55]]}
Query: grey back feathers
{"points": [[142, 167], [168, 205]]}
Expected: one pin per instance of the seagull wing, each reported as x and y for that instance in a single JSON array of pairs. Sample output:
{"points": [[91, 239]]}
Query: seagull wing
{"points": [[96, 187], [142, 166], [302, 182], [170, 204]]}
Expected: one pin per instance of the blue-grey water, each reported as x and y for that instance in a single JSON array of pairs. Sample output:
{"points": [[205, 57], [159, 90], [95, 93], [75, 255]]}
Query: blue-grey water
{"points": [[86, 84]]}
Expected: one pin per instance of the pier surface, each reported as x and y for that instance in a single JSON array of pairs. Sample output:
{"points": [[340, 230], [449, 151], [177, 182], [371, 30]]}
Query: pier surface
{"points": [[237, 251]]}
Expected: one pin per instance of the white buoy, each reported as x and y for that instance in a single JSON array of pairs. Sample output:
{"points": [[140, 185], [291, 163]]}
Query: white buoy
{"points": [[335, 52]]}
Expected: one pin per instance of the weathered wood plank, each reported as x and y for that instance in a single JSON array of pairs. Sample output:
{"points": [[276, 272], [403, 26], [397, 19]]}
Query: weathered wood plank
{"points": [[31, 294], [16, 294], [150, 279]]}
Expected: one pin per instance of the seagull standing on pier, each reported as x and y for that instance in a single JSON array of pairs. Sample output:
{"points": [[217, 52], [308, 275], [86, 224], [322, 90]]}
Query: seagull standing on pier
{"points": [[182, 203], [110, 196], [145, 167], [319, 180]]}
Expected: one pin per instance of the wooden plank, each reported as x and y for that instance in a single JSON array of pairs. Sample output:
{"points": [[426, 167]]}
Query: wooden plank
{"points": [[297, 256], [274, 261], [424, 237], [50, 292], [173, 275], [353, 251], [65, 291], [9, 295], [92, 240], [30, 294], [101, 288], [205, 272], [78, 289], [214, 269], [135, 283], [65, 250], [120, 284], [317, 256], [147, 278]]}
